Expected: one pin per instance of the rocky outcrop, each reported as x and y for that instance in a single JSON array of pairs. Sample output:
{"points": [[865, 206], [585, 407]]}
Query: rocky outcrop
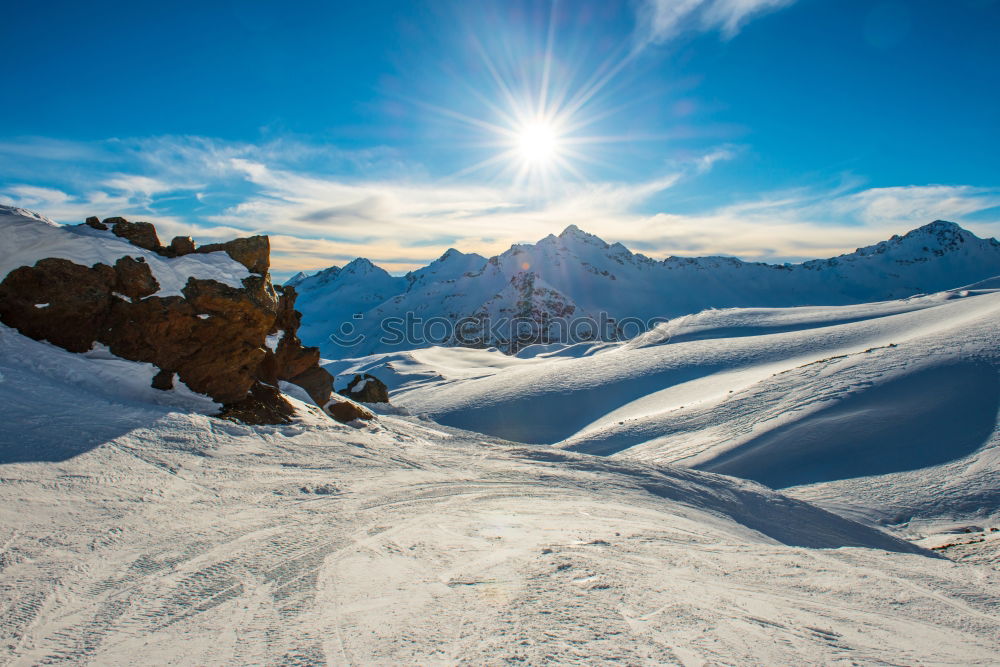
{"points": [[317, 382], [179, 246], [253, 252], [366, 389], [133, 278], [59, 301], [347, 411], [264, 404], [215, 338], [142, 234]]}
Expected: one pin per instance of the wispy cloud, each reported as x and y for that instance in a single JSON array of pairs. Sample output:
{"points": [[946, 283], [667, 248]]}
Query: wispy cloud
{"points": [[318, 214], [815, 223], [660, 21]]}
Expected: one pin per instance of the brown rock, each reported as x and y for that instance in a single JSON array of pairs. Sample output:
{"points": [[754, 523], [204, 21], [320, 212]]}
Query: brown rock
{"points": [[366, 389], [253, 252], [263, 405], [212, 337], [56, 300], [347, 411], [164, 380], [142, 234], [291, 358], [287, 318], [317, 382], [260, 290], [94, 221], [218, 355], [180, 246], [134, 278]]}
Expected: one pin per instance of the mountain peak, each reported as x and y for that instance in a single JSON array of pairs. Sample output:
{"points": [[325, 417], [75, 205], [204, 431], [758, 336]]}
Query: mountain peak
{"points": [[572, 233], [360, 265], [296, 279], [942, 232], [939, 227], [943, 223]]}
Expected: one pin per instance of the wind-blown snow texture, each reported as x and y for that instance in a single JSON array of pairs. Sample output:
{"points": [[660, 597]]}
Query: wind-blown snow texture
{"points": [[154, 535], [884, 411], [578, 275]]}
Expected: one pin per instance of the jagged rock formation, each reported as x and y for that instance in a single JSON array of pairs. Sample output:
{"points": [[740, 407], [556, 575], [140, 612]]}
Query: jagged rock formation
{"points": [[366, 389], [231, 343]]}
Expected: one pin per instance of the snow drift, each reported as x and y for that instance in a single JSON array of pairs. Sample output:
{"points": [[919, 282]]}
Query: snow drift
{"points": [[884, 411]]}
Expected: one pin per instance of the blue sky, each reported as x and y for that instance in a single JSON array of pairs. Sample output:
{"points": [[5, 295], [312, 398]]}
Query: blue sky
{"points": [[770, 129]]}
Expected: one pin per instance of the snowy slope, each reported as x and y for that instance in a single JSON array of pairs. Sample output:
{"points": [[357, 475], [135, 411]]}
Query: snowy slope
{"points": [[884, 411], [169, 537], [450, 266], [577, 275]]}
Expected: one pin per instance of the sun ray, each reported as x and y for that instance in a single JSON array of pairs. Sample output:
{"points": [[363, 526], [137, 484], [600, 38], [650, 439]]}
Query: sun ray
{"points": [[542, 116]]}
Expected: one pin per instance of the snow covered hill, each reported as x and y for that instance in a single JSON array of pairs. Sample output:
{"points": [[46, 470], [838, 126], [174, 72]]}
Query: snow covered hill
{"points": [[884, 411], [575, 279], [133, 528]]}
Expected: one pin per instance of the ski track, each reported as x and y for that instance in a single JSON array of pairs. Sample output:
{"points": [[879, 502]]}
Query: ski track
{"points": [[148, 550]]}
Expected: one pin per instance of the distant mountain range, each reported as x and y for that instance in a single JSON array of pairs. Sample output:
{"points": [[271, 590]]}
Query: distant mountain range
{"points": [[574, 287]]}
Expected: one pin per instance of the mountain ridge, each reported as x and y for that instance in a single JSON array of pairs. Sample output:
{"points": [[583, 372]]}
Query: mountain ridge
{"points": [[581, 276]]}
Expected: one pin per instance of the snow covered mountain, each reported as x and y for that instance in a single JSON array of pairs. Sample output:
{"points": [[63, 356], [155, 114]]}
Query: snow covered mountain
{"points": [[335, 295], [575, 287]]}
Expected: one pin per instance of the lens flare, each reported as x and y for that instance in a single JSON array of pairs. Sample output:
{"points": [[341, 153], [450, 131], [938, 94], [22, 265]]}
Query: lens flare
{"points": [[537, 142], [539, 111]]}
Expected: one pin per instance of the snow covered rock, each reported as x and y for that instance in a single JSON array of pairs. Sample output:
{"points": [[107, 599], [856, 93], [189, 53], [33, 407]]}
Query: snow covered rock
{"points": [[366, 389], [211, 335], [253, 252]]}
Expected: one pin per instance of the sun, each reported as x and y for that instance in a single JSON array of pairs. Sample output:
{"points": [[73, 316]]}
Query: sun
{"points": [[538, 118], [537, 143]]}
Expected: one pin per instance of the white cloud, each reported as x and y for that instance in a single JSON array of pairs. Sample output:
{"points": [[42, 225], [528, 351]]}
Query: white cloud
{"points": [[809, 224], [660, 21], [210, 190]]}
